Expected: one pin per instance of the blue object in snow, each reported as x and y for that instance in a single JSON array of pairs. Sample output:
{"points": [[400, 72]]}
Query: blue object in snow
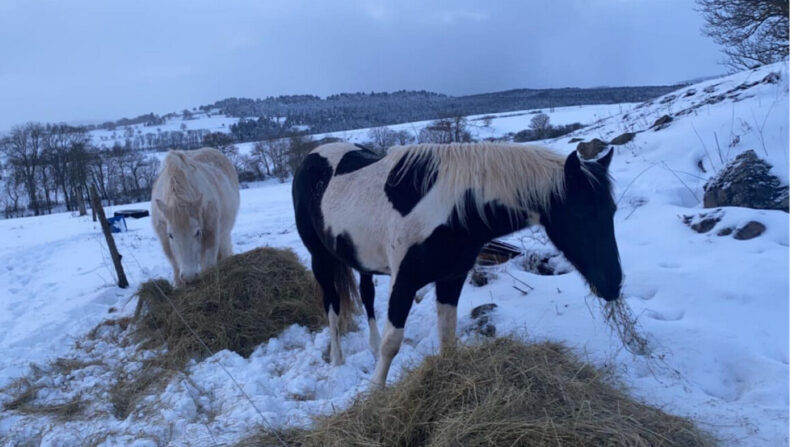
{"points": [[117, 224]]}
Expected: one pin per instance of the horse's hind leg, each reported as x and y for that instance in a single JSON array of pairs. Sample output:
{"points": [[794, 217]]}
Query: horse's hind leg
{"points": [[447, 294], [323, 268], [367, 292]]}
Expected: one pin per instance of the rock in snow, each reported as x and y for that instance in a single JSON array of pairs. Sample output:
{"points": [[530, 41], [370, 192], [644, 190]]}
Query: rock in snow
{"points": [[624, 138], [589, 150], [750, 230], [746, 182]]}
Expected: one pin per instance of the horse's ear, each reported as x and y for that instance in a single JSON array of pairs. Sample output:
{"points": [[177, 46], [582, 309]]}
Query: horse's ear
{"points": [[605, 161], [573, 166]]}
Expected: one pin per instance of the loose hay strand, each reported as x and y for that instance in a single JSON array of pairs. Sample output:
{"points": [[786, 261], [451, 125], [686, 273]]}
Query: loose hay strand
{"points": [[623, 321]]}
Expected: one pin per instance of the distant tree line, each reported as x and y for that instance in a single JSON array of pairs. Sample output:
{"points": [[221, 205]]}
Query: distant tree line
{"points": [[48, 167], [279, 117]]}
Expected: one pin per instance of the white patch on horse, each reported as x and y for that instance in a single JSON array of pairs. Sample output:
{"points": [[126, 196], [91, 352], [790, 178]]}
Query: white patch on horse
{"points": [[372, 233], [195, 200]]}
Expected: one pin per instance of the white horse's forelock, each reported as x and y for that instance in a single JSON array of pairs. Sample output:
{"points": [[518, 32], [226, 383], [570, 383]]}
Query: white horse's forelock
{"points": [[176, 168], [520, 177]]}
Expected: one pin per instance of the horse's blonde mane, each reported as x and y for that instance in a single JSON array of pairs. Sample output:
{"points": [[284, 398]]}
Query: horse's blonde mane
{"points": [[176, 167], [180, 195], [520, 177]]}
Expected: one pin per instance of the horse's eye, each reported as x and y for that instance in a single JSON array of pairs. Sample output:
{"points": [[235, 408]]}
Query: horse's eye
{"points": [[170, 236], [198, 233]]}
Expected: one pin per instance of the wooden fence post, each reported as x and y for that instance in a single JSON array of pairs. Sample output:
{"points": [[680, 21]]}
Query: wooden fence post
{"points": [[96, 206]]}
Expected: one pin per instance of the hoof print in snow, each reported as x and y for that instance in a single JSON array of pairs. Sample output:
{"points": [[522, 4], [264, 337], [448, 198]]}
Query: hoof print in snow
{"points": [[749, 231], [662, 122], [483, 324], [481, 277], [725, 231], [690, 92], [589, 150], [747, 182], [624, 138], [703, 222], [667, 99]]}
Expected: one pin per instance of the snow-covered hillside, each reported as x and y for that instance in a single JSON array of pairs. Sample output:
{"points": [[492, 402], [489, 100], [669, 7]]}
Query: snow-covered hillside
{"points": [[715, 307]]}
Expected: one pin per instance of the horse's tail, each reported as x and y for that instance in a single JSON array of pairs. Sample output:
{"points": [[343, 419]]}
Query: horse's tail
{"points": [[350, 301]]}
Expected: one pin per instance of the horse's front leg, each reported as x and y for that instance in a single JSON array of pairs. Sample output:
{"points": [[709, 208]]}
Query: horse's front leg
{"points": [[447, 294], [367, 293], [400, 300]]}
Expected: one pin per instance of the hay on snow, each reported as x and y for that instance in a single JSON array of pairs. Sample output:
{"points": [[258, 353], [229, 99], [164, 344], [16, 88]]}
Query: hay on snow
{"points": [[247, 299], [501, 392]]}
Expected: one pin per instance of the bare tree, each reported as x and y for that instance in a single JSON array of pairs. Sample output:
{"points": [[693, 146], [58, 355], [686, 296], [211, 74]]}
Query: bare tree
{"points": [[24, 149], [444, 131], [404, 137], [540, 125], [277, 151], [382, 138], [221, 141], [299, 146], [751, 32], [260, 152]]}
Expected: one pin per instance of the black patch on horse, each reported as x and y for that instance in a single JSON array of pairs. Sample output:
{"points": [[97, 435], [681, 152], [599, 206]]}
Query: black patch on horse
{"points": [[355, 160], [405, 189], [448, 254], [346, 250], [309, 185]]}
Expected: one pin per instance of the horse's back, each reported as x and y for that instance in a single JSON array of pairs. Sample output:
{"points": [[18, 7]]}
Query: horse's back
{"points": [[215, 158]]}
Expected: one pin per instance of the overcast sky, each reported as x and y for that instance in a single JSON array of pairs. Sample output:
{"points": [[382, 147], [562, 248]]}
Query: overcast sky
{"points": [[91, 60]]}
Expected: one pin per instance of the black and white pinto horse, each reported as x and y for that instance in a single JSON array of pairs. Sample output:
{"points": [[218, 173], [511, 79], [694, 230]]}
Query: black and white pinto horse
{"points": [[422, 213]]}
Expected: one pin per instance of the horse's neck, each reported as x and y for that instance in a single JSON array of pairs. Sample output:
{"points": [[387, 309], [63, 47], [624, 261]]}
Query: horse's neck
{"points": [[495, 221]]}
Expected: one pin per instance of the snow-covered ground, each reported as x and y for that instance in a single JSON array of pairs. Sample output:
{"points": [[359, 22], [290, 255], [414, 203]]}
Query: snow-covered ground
{"points": [[715, 307]]}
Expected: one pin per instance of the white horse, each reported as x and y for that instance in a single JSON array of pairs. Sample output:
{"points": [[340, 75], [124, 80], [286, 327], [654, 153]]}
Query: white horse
{"points": [[194, 205]]}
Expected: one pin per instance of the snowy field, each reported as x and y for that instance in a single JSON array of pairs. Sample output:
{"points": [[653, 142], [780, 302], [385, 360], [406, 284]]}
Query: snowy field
{"points": [[212, 121], [716, 308]]}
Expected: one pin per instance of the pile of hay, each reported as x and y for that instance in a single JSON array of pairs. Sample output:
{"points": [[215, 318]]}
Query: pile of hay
{"points": [[247, 299], [503, 392]]}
